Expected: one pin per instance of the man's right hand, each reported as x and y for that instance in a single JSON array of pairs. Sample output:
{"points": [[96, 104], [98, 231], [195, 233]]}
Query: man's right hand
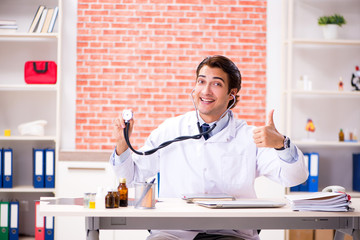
{"points": [[118, 132]]}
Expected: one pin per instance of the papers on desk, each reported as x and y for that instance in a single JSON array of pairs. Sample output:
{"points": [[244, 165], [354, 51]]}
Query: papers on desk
{"points": [[321, 201]]}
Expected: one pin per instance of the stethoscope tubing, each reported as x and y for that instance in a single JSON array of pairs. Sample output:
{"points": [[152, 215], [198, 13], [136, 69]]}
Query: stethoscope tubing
{"points": [[178, 139], [164, 144]]}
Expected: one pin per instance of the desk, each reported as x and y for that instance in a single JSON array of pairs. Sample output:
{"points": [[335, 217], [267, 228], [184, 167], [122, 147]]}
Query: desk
{"points": [[176, 214]]}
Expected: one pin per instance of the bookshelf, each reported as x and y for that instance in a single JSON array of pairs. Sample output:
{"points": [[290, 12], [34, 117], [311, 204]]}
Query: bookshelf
{"points": [[323, 61], [306, 52], [21, 102]]}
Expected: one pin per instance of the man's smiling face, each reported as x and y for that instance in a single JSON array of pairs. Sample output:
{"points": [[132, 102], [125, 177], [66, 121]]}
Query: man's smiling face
{"points": [[211, 93]]}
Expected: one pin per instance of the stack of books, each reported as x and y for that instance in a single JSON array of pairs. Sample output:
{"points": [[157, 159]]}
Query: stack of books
{"points": [[321, 201], [44, 20], [8, 26]]}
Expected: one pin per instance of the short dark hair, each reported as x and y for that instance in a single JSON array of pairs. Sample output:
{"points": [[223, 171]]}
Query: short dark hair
{"points": [[229, 67]]}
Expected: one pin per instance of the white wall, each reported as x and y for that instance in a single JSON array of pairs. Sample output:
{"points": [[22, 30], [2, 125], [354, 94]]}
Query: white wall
{"points": [[273, 72], [68, 84]]}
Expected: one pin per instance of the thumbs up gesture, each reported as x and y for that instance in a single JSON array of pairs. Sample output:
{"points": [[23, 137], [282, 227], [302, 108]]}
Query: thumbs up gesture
{"points": [[268, 136]]}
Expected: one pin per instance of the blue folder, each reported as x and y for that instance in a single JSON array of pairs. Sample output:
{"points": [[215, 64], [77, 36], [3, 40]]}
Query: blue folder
{"points": [[295, 188], [7, 174], [1, 167], [14, 221], [304, 187], [314, 172], [38, 162], [49, 168], [49, 228], [356, 171]]}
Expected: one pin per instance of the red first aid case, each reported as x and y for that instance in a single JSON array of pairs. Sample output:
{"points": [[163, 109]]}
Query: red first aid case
{"points": [[40, 72]]}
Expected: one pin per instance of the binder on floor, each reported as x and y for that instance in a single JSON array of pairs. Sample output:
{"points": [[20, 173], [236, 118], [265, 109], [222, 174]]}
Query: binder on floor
{"points": [[1, 167], [38, 162], [49, 168], [7, 168], [14, 221], [314, 172], [49, 228], [4, 220], [39, 223], [304, 187]]}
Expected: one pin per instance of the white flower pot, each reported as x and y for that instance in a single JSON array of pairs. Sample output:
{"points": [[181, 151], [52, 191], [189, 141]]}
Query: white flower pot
{"points": [[330, 31]]}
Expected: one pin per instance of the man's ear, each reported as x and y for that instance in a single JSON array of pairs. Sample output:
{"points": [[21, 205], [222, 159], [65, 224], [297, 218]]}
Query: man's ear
{"points": [[233, 91]]}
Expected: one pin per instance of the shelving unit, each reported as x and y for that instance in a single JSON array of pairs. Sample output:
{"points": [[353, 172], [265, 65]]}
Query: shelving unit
{"points": [[306, 52], [21, 102]]}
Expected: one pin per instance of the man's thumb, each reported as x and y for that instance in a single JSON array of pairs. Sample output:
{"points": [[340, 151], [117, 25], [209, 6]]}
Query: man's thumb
{"points": [[271, 118]]}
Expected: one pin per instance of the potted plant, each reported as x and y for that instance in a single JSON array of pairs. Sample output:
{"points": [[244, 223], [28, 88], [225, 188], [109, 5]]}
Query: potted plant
{"points": [[330, 25]]}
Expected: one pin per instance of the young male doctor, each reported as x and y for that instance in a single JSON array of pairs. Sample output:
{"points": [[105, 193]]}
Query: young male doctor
{"points": [[227, 161]]}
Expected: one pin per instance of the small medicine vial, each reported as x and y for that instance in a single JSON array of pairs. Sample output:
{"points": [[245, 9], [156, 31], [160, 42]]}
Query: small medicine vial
{"points": [[341, 135], [123, 192], [92, 200], [116, 198], [109, 200]]}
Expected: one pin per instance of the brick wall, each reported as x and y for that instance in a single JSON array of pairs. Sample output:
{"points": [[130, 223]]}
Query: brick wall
{"points": [[142, 54]]}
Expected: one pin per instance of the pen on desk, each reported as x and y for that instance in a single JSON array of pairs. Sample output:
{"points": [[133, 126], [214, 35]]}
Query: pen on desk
{"points": [[146, 190]]}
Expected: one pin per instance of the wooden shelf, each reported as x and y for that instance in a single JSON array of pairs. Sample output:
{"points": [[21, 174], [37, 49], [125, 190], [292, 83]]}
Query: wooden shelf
{"points": [[325, 93], [30, 87], [28, 35], [302, 143], [27, 189], [28, 138], [323, 41]]}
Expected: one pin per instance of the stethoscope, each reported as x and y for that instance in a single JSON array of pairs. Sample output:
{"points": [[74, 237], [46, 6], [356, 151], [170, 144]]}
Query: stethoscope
{"points": [[127, 116]]}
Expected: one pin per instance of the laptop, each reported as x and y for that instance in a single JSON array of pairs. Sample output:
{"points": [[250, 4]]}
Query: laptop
{"points": [[243, 203]]}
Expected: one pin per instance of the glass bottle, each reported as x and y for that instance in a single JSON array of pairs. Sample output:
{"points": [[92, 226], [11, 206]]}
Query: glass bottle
{"points": [[341, 135], [86, 200], [116, 198], [123, 192], [92, 200], [109, 200], [100, 196]]}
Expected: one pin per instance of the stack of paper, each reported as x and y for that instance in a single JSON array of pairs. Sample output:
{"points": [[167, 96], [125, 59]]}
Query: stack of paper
{"points": [[321, 201]]}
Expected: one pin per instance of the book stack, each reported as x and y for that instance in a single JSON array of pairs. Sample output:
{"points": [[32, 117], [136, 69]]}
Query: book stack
{"points": [[44, 20], [8, 26], [321, 201]]}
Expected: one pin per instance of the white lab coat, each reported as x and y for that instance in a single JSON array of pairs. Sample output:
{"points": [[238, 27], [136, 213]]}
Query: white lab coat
{"points": [[228, 162]]}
